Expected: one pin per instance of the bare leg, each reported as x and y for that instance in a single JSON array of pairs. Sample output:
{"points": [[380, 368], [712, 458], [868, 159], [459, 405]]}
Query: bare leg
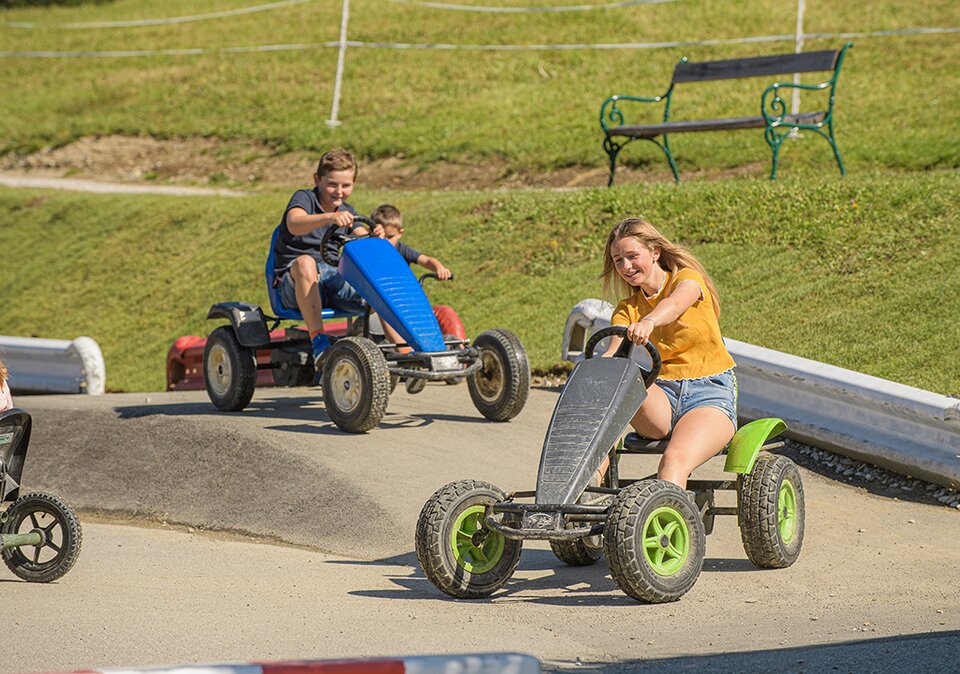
{"points": [[699, 435], [652, 420], [307, 292], [394, 337]]}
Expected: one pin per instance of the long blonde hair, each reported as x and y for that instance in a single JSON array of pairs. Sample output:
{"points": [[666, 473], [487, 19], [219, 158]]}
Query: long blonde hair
{"points": [[3, 372], [673, 258]]}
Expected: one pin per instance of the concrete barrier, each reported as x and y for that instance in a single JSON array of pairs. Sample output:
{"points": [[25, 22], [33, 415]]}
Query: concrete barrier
{"points": [[481, 663], [898, 427], [54, 365]]}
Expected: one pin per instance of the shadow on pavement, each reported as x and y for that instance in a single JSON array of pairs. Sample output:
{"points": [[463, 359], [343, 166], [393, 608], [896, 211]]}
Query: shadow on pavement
{"points": [[928, 653]]}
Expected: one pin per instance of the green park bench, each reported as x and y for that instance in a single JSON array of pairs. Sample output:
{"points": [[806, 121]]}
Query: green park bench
{"points": [[773, 118]]}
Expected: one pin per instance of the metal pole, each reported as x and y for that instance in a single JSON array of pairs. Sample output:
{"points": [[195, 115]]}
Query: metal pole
{"points": [[17, 540], [795, 107], [345, 17]]}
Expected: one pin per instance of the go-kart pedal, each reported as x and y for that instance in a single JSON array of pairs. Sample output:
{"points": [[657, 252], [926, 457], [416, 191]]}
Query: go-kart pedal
{"points": [[415, 385]]}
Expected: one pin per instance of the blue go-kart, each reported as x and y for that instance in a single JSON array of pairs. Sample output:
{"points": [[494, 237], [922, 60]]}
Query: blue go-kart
{"points": [[40, 534], [360, 370], [652, 532]]}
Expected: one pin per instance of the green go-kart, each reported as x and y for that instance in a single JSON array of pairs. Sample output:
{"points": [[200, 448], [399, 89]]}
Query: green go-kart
{"points": [[653, 533], [40, 534]]}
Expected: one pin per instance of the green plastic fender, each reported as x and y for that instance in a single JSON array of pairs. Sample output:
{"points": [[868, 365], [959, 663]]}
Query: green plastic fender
{"points": [[745, 445]]}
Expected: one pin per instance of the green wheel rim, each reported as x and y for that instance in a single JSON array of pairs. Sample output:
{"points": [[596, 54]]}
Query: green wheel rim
{"points": [[476, 548], [787, 511], [666, 541]]}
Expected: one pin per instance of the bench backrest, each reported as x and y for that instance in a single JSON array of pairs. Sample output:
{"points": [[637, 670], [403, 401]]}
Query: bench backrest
{"points": [[757, 66]]}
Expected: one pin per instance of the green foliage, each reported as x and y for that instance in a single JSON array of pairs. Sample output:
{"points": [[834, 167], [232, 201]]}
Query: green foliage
{"points": [[860, 273], [531, 109]]}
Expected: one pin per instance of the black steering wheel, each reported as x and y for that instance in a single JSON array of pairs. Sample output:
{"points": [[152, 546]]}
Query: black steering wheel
{"points": [[650, 374], [333, 239]]}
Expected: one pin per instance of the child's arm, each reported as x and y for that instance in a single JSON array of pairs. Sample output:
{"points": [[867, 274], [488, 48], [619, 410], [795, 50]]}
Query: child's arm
{"points": [[435, 266], [299, 222]]}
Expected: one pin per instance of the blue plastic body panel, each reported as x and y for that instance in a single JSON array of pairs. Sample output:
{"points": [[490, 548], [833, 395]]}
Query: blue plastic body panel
{"points": [[273, 292], [385, 281]]}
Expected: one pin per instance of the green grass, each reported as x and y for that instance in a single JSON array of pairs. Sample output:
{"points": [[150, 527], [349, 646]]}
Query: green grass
{"points": [[860, 273], [897, 97]]}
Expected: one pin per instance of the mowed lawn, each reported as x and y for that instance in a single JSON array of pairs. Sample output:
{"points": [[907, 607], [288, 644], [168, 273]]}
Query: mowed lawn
{"points": [[898, 95], [860, 273]]}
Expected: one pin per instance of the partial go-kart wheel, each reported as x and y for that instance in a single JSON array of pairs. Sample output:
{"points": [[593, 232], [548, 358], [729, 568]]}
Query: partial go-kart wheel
{"points": [[577, 552], [499, 389], [60, 533], [229, 370], [356, 384], [771, 512], [654, 541], [456, 550]]}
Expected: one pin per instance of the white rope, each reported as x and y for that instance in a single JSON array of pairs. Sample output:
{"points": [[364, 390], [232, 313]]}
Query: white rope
{"points": [[476, 47], [157, 22], [528, 10]]}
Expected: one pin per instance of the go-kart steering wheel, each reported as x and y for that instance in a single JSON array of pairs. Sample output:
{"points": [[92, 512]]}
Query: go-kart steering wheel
{"points": [[650, 375], [334, 238]]}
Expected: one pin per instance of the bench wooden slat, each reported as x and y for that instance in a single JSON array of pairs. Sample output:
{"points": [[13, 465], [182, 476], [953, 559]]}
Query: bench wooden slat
{"points": [[654, 130], [776, 64]]}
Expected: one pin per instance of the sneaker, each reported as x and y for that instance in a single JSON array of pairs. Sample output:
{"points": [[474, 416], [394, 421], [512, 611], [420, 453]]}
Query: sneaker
{"points": [[321, 343]]}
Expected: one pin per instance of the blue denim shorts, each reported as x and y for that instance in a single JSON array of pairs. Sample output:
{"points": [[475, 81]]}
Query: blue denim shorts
{"points": [[335, 292], [717, 390]]}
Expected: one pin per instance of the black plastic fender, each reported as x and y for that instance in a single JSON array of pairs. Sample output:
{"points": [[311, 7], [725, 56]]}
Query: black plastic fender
{"points": [[247, 320]]}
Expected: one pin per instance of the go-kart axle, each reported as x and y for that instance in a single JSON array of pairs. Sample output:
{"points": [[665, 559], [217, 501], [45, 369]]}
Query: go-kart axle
{"points": [[17, 540]]}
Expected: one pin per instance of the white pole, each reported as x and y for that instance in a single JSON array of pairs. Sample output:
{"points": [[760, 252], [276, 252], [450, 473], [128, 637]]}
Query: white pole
{"points": [[340, 58], [798, 49]]}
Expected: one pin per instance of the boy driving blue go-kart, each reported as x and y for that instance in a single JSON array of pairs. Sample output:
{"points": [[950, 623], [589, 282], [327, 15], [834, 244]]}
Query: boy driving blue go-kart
{"points": [[356, 372]]}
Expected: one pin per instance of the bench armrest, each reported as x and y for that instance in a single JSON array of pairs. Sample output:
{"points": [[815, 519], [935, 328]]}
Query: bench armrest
{"points": [[774, 108], [610, 111]]}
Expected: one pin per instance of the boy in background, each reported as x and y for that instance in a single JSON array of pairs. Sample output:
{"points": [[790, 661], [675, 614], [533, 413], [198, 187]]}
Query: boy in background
{"points": [[389, 217], [307, 283]]}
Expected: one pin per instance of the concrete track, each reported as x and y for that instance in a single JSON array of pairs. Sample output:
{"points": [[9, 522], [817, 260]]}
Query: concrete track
{"points": [[875, 589]]}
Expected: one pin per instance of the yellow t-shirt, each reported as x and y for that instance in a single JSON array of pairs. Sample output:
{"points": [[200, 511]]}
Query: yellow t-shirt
{"points": [[690, 347]]}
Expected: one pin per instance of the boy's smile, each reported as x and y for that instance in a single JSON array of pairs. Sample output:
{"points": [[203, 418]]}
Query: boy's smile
{"points": [[334, 188]]}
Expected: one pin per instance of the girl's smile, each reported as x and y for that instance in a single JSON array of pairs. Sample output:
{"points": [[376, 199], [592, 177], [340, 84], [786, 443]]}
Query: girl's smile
{"points": [[637, 264]]}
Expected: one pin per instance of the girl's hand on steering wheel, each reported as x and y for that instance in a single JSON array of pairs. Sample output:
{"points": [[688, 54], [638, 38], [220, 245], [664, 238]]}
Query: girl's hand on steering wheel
{"points": [[640, 332]]}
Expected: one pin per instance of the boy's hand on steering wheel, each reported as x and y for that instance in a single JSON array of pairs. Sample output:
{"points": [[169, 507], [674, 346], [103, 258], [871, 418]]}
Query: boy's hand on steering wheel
{"points": [[443, 273], [343, 219], [640, 332], [379, 231]]}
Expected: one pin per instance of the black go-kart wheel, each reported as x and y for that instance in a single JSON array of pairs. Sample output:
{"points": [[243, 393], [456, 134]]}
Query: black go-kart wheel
{"points": [[499, 389], [61, 537], [654, 541], [356, 384], [229, 370], [771, 512], [288, 373], [577, 552], [457, 552]]}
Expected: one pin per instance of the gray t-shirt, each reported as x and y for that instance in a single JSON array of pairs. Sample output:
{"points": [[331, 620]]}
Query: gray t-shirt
{"points": [[407, 253], [289, 247]]}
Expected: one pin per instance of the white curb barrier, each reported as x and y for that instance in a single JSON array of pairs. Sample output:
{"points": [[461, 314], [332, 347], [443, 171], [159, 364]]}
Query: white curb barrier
{"points": [[54, 365], [904, 429], [481, 663]]}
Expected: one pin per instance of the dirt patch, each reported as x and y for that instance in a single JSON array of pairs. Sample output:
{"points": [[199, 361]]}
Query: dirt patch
{"points": [[210, 161]]}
